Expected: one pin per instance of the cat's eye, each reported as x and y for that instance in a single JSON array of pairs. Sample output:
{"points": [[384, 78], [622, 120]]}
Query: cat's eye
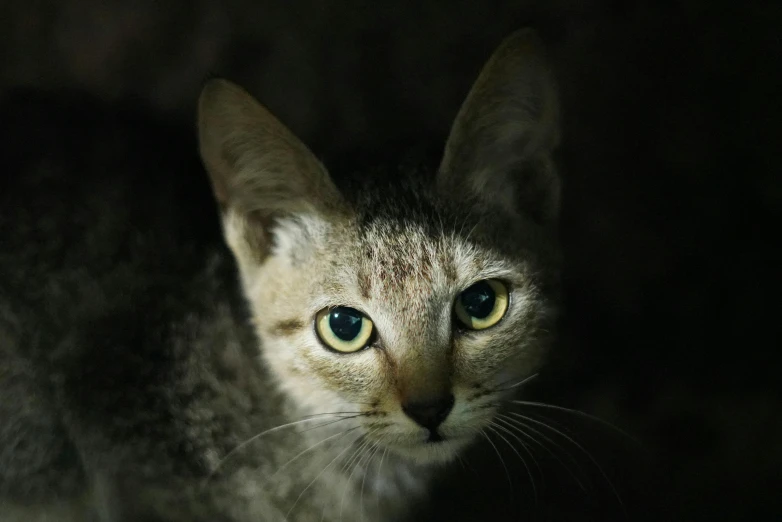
{"points": [[482, 305], [344, 329]]}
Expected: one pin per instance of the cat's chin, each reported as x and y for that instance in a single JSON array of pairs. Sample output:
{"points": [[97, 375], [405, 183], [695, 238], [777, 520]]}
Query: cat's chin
{"points": [[440, 452]]}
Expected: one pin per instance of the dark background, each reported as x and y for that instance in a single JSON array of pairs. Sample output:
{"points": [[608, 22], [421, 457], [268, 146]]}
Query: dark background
{"points": [[672, 199]]}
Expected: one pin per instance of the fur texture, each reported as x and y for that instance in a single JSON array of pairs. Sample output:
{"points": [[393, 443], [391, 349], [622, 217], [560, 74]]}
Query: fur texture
{"points": [[153, 375]]}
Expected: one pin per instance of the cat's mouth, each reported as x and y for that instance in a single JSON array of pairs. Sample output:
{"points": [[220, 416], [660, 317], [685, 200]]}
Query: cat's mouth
{"points": [[432, 447]]}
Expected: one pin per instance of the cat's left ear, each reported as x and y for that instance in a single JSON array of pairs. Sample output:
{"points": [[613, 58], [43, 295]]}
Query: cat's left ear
{"points": [[260, 171], [500, 146]]}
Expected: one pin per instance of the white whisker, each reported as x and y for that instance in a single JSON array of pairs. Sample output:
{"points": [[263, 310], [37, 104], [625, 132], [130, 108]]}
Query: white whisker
{"points": [[321, 473], [497, 426], [354, 463], [372, 454], [580, 447], [377, 479], [331, 422], [520, 427], [290, 461], [502, 461], [502, 387], [494, 427], [258, 436], [584, 415]]}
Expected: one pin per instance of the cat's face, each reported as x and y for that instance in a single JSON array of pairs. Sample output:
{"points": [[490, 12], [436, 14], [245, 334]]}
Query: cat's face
{"points": [[417, 307], [390, 316]]}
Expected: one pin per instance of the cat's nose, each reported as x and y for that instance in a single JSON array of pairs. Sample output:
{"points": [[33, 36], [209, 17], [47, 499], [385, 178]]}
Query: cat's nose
{"points": [[429, 413]]}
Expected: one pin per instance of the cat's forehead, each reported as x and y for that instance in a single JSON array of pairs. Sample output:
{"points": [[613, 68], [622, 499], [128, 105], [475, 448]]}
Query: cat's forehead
{"points": [[406, 241], [404, 232], [394, 255], [413, 252]]}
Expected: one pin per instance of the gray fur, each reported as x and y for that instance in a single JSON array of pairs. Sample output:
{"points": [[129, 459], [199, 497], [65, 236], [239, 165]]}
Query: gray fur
{"points": [[147, 378]]}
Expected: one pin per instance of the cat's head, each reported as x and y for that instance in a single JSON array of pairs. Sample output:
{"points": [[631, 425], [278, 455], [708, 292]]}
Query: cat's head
{"points": [[419, 304]]}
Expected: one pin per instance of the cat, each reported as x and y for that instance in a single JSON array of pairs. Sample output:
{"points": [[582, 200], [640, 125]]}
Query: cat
{"points": [[339, 346]]}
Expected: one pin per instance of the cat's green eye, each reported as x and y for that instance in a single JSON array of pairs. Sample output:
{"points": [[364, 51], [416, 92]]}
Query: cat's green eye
{"points": [[482, 305], [344, 329]]}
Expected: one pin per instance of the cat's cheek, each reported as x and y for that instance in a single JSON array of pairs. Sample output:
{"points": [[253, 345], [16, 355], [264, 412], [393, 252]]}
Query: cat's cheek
{"points": [[295, 377], [478, 357], [354, 377]]}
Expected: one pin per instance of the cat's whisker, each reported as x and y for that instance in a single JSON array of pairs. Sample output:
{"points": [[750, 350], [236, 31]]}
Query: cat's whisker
{"points": [[290, 461], [580, 447], [541, 434], [295, 503], [583, 415], [334, 413], [347, 464], [522, 427], [355, 463], [331, 422], [494, 427], [373, 453], [502, 387], [258, 436], [524, 381], [524, 445], [502, 461], [377, 479]]}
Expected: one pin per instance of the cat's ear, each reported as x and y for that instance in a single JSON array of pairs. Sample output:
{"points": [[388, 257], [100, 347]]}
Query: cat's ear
{"points": [[500, 146], [259, 170]]}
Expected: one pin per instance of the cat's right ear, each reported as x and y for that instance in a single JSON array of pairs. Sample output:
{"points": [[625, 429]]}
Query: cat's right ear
{"points": [[500, 148], [259, 170]]}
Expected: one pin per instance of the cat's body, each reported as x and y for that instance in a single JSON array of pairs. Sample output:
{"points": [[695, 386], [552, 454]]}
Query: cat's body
{"points": [[152, 357], [132, 384]]}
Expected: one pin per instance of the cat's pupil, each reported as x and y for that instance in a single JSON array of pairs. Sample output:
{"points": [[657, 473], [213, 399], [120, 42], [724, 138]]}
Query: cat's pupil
{"points": [[478, 300], [345, 323]]}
